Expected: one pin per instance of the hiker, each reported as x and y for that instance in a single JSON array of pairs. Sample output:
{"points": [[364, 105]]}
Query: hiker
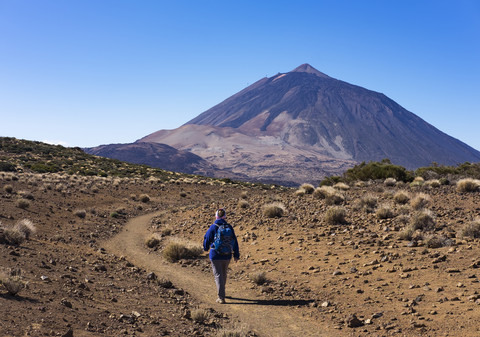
{"points": [[222, 242]]}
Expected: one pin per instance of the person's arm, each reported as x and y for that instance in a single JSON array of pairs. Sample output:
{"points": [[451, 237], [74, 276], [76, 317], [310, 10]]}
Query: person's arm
{"points": [[236, 250], [208, 238]]}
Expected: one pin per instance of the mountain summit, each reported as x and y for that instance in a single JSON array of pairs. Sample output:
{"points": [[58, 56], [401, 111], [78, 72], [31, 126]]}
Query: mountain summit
{"points": [[302, 125]]}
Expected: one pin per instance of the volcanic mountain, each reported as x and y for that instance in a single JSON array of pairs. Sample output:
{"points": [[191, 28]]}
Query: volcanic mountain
{"points": [[303, 125], [156, 155]]}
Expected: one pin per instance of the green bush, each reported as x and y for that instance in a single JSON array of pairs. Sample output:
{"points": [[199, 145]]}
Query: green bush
{"points": [[378, 170]]}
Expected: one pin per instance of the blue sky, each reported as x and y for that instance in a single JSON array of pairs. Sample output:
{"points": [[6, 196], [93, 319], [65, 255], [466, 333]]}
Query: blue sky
{"points": [[91, 72]]}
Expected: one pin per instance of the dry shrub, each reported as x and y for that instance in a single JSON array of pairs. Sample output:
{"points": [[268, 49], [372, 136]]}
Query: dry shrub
{"points": [[8, 189], [406, 233], [12, 281], [437, 241], [200, 315], [390, 182], [384, 212], [300, 192], [423, 220], [243, 204], [401, 197], [25, 227], [233, 332], [308, 188], [26, 195], [330, 194], [471, 229], [368, 202], [420, 201], [433, 183], [341, 186], [418, 181], [274, 210], [81, 213], [23, 203], [178, 249], [335, 215], [244, 195], [259, 278], [468, 185], [153, 240], [144, 198]]}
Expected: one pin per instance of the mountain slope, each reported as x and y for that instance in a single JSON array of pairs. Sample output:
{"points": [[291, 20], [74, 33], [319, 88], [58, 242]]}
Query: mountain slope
{"points": [[308, 109], [155, 155], [304, 125]]}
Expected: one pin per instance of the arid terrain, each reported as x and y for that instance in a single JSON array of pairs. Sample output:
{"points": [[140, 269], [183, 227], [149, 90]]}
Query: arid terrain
{"points": [[89, 272]]}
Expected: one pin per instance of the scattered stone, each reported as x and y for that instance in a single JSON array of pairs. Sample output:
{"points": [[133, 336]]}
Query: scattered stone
{"points": [[353, 322], [337, 273], [453, 270], [69, 333], [66, 303]]}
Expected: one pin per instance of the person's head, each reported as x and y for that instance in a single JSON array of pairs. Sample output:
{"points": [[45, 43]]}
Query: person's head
{"points": [[220, 214]]}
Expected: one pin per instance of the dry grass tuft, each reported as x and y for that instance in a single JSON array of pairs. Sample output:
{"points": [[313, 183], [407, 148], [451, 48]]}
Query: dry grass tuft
{"points": [[308, 188], [341, 186], [22, 203], [259, 278], [368, 202], [437, 241], [25, 227], [423, 220], [401, 197], [418, 181], [420, 201], [178, 249], [468, 185], [233, 332], [330, 194], [406, 234], [471, 229], [274, 210], [243, 204], [153, 240], [8, 189], [335, 215], [144, 198], [200, 316], [390, 182], [11, 280], [384, 212], [81, 213]]}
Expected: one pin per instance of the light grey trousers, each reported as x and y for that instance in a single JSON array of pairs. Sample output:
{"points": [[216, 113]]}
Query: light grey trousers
{"points": [[220, 268]]}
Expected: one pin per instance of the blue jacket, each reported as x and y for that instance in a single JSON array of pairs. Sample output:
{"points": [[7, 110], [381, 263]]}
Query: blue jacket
{"points": [[210, 237]]}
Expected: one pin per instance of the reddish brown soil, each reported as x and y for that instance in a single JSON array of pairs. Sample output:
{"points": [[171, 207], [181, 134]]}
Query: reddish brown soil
{"points": [[98, 267]]}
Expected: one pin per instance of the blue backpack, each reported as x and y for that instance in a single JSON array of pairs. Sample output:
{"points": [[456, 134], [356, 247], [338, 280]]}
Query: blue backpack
{"points": [[223, 241]]}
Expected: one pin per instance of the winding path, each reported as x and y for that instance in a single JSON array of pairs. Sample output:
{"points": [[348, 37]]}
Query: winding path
{"points": [[266, 317]]}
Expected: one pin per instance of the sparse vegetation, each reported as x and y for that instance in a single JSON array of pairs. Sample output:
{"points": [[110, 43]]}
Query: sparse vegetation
{"points": [[308, 188], [401, 197], [11, 280], [420, 201], [144, 198], [423, 220], [274, 210], [390, 182], [367, 202], [200, 315], [23, 203], [335, 215], [243, 204], [471, 229], [341, 186], [468, 185], [81, 213], [25, 227], [418, 181], [330, 194], [259, 278], [437, 241], [407, 233], [384, 212], [153, 240], [8, 189], [178, 249]]}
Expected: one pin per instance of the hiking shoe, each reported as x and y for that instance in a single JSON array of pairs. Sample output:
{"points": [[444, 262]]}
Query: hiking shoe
{"points": [[220, 300]]}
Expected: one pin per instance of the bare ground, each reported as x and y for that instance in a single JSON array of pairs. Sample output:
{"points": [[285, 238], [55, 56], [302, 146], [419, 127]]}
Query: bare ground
{"points": [[95, 276]]}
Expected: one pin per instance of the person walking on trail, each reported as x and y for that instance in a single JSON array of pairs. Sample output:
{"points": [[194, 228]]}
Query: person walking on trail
{"points": [[220, 239]]}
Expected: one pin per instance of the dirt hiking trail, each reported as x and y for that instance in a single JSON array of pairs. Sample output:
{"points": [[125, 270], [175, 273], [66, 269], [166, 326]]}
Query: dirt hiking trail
{"points": [[265, 317]]}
